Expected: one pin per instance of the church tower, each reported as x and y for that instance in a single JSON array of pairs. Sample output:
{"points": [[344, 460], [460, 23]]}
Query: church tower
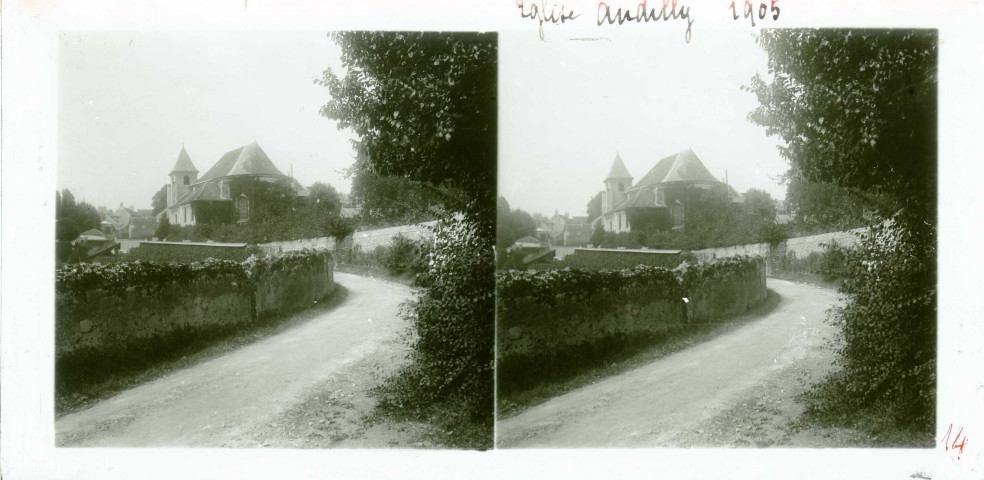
{"points": [[616, 184], [183, 175]]}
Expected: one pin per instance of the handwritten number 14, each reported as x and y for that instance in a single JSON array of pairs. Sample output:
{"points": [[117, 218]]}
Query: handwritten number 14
{"points": [[955, 445], [749, 11]]}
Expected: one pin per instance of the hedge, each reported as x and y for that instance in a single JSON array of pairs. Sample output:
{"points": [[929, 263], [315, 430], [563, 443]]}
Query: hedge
{"points": [[579, 284], [79, 278], [590, 260], [555, 323], [188, 253]]}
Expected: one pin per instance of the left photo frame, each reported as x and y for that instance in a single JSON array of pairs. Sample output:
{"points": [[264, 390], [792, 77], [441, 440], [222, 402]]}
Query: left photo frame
{"points": [[275, 239]]}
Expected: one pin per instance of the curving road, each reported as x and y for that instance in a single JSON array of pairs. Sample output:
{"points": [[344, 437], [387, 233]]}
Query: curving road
{"points": [[226, 400], [658, 404]]}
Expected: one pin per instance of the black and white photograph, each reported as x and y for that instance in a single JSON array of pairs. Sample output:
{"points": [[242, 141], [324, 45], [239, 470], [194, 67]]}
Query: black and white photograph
{"points": [[726, 266], [255, 236], [500, 239]]}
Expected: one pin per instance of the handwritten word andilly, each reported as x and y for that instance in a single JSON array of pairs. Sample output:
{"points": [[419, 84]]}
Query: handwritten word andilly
{"points": [[645, 14]]}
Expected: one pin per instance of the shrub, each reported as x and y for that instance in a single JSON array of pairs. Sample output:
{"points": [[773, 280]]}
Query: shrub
{"points": [[407, 257], [452, 330], [188, 253], [616, 260], [117, 278], [889, 329], [163, 228]]}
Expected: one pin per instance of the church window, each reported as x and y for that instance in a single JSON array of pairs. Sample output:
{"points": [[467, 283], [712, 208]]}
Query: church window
{"points": [[242, 205], [677, 212], [621, 187], [185, 179]]}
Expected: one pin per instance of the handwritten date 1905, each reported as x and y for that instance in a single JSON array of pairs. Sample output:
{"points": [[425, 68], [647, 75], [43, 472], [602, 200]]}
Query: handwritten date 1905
{"points": [[749, 11]]}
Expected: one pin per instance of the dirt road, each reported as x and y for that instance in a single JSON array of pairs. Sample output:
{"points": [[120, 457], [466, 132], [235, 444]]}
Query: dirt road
{"points": [[239, 399], [668, 401]]}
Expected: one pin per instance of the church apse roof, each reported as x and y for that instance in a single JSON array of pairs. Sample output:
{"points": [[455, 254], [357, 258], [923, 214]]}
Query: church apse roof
{"points": [[246, 160], [683, 167]]}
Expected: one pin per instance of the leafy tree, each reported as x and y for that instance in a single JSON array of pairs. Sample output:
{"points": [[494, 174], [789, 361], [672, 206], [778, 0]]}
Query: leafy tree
{"points": [[514, 224], [594, 207], [325, 196], [159, 201], [82, 214], [504, 238], [424, 107], [163, 228], [760, 203], [857, 109], [66, 229], [395, 200], [827, 207], [597, 235]]}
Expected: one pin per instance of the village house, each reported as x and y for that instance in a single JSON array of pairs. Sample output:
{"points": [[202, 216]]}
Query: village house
{"points": [[224, 187], [129, 223], [564, 230], [662, 197]]}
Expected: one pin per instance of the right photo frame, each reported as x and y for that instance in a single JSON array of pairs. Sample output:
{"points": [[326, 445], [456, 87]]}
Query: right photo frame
{"points": [[729, 242]]}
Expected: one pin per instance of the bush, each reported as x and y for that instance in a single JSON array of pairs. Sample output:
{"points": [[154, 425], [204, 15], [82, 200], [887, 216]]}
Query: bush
{"points": [[889, 329], [117, 278], [616, 260], [407, 257], [404, 259], [188, 253], [163, 228], [452, 330], [830, 265]]}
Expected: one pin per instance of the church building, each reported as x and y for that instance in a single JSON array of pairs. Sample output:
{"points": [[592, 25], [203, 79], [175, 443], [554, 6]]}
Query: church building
{"points": [[662, 197], [188, 195]]}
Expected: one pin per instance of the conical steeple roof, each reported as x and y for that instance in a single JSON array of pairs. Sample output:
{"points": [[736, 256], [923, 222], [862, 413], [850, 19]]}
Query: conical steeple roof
{"points": [[184, 163], [618, 171]]}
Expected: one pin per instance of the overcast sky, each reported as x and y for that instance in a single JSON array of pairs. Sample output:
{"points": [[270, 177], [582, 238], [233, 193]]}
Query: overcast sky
{"points": [[128, 101], [567, 106]]}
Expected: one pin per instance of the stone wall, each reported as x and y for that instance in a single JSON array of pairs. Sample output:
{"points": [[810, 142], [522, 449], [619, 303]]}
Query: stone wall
{"points": [[799, 247], [283, 292], [803, 246], [751, 249], [531, 331], [99, 324], [319, 243]]}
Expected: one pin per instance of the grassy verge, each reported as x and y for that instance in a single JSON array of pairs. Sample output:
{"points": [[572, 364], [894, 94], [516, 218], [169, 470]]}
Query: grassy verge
{"points": [[77, 388], [446, 425], [871, 426], [613, 361]]}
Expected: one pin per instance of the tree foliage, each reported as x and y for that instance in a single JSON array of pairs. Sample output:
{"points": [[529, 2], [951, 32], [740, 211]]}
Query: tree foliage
{"points": [[73, 218], [424, 107], [594, 207], [159, 201], [826, 207], [857, 109], [388, 200]]}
